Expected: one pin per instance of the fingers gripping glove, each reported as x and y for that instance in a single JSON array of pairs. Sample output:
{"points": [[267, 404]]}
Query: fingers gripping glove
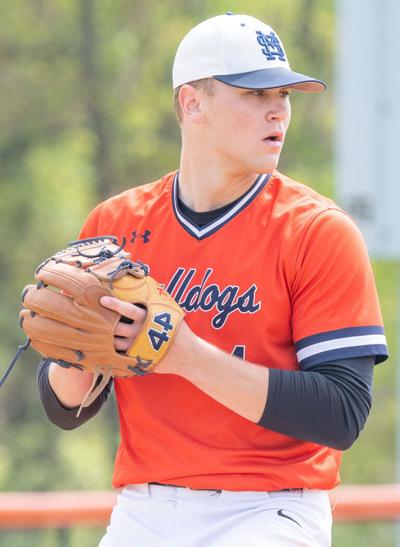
{"points": [[66, 323]]}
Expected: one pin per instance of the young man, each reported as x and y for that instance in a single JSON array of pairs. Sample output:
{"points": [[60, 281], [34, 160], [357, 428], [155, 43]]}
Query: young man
{"points": [[236, 437]]}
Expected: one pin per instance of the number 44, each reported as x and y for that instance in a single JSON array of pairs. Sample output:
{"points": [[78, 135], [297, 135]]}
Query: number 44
{"points": [[158, 337]]}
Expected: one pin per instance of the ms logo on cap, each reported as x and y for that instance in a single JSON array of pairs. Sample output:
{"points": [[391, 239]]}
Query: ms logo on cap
{"points": [[272, 48]]}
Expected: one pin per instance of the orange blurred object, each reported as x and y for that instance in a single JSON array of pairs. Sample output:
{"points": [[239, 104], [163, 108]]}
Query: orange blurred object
{"points": [[366, 502], [93, 508], [56, 509]]}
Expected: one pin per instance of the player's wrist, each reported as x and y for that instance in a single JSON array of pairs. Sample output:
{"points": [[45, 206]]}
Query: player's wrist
{"points": [[69, 384], [181, 355]]}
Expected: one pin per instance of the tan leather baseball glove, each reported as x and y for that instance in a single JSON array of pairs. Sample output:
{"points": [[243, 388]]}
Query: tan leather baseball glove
{"points": [[66, 323]]}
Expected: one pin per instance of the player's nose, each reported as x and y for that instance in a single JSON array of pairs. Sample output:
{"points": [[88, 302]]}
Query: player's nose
{"points": [[279, 110]]}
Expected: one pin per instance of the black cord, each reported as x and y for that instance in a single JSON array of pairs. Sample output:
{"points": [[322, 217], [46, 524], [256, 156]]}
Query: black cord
{"points": [[21, 348]]}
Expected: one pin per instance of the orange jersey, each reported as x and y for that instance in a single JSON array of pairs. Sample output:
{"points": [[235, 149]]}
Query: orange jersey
{"points": [[282, 279]]}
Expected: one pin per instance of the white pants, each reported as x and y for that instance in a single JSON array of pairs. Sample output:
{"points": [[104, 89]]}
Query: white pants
{"points": [[149, 515]]}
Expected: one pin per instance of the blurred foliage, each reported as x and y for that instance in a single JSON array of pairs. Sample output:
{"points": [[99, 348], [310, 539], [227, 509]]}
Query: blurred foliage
{"points": [[86, 112]]}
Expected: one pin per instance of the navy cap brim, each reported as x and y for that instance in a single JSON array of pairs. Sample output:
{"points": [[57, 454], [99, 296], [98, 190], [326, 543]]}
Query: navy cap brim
{"points": [[271, 78]]}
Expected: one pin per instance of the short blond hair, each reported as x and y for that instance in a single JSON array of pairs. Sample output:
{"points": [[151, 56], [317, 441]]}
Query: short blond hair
{"points": [[206, 84]]}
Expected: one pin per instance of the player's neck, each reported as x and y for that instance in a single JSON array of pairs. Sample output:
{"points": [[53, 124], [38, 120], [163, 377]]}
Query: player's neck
{"points": [[205, 186]]}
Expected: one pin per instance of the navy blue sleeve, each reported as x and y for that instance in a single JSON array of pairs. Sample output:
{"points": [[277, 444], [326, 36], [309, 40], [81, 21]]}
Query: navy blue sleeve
{"points": [[327, 404], [63, 417]]}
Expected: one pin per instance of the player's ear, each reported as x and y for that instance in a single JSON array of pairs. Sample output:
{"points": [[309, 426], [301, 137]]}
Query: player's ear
{"points": [[190, 103]]}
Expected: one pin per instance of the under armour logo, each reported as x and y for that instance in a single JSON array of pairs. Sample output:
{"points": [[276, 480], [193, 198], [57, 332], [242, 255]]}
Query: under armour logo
{"points": [[145, 236], [272, 48]]}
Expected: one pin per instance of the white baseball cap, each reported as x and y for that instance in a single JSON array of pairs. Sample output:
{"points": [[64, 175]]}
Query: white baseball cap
{"points": [[238, 50]]}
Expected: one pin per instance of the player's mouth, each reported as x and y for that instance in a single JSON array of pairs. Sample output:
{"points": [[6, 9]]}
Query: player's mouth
{"points": [[274, 139]]}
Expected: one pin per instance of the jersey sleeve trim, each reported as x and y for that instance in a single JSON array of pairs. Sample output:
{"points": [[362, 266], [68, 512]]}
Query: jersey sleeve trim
{"points": [[342, 344]]}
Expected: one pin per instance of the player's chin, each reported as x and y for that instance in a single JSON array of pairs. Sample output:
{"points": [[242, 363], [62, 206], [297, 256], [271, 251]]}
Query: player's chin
{"points": [[257, 161], [265, 161], [265, 166]]}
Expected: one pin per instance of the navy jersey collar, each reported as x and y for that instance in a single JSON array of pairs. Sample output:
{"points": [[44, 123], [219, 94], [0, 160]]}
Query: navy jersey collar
{"points": [[237, 206]]}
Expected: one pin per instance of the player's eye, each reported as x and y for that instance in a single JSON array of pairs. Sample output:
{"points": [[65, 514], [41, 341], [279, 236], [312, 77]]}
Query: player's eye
{"points": [[257, 92], [285, 92]]}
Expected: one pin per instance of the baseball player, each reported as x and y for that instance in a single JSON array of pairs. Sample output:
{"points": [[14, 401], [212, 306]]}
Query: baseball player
{"points": [[236, 438]]}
